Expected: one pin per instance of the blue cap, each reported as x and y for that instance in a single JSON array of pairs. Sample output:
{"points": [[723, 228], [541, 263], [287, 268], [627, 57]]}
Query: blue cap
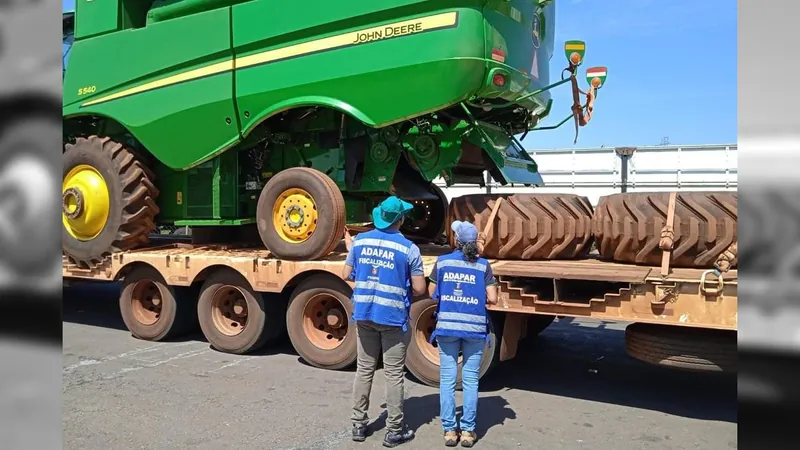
{"points": [[390, 211], [464, 231]]}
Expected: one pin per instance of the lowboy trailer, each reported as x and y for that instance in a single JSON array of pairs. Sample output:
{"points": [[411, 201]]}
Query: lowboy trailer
{"points": [[244, 298]]}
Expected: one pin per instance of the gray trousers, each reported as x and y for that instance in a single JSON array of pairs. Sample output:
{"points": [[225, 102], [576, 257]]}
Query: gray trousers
{"points": [[372, 338]]}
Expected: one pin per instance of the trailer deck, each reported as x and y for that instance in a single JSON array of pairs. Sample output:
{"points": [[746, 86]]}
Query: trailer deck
{"points": [[606, 290]]}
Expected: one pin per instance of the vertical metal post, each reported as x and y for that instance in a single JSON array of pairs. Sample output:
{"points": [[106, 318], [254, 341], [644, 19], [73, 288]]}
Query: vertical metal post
{"points": [[488, 182], [625, 154]]}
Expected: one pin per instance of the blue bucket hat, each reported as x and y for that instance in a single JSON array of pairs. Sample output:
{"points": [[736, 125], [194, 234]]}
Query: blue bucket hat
{"points": [[464, 231], [390, 211]]}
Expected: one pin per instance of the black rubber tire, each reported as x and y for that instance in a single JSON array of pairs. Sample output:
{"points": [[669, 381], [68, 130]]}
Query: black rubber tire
{"points": [[132, 207], [178, 310], [628, 227], [346, 353], [426, 371], [437, 215], [263, 321], [31, 137], [330, 207], [528, 226], [684, 348]]}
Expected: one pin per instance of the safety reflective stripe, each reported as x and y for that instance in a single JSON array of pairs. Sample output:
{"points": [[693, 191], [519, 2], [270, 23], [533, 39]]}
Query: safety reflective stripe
{"points": [[383, 301], [381, 243], [461, 264], [446, 315], [455, 326], [374, 285]]}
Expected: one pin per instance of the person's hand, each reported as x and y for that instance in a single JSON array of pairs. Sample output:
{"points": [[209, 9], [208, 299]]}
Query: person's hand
{"points": [[348, 240], [481, 242]]}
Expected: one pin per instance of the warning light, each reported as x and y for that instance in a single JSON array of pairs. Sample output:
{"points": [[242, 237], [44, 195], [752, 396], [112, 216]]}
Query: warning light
{"points": [[499, 80]]}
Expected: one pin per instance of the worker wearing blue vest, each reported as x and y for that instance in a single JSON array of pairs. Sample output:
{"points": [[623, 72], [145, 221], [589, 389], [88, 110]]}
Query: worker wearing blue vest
{"points": [[462, 283], [387, 269]]}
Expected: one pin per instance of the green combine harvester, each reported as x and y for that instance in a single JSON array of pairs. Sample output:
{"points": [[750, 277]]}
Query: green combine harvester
{"points": [[294, 121]]}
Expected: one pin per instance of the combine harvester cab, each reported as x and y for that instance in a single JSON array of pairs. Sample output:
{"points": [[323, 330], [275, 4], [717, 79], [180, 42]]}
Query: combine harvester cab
{"points": [[290, 122]]}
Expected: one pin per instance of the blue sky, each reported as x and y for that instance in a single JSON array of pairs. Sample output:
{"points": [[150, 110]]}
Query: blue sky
{"points": [[671, 72]]}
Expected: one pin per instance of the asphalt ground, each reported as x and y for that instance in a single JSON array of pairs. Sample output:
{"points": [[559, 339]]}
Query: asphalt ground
{"points": [[573, 388]]}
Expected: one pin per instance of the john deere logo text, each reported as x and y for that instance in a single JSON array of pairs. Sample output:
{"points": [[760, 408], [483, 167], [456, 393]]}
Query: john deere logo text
{"points": [[388, 32]]}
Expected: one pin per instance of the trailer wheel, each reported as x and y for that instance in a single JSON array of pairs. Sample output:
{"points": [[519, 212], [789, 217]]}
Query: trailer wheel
{"points": [[422, 358], [108, 200], [684, 348], [153, 310], [318, 322], [235, 318], [28, 173], [301, 214]]}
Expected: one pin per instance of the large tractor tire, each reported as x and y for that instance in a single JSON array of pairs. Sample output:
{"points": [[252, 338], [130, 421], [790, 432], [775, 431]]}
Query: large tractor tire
{"points": [[234, 317], [318, 322], [427, 221], [28, 195], [301, 214], [528, 226], [422, 358], [153, 310], [627, 227], [677, 347], [108, 200]]}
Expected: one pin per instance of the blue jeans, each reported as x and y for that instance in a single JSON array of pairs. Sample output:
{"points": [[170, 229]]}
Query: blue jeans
{"points": [[472, 350]]}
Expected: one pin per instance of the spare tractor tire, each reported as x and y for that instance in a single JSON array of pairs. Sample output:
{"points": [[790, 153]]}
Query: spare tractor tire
{"points": [[627, 227], [108, 200], [528, 226], [686, 348], [301, 214]]}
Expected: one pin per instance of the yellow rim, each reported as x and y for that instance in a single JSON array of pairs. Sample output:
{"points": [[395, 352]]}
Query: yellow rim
{"points": [[85, 202], [294, 215]]}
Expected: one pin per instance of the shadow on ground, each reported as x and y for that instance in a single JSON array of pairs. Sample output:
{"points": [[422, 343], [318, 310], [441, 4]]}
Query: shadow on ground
{"points": [[587, 360], [419, 411], [572, 358]]}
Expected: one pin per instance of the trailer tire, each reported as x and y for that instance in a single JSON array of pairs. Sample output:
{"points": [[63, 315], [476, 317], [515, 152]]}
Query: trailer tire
{"points": [[528, 226], [319, 221], [151, 309], [322, 300], [684, 348], [131, 193], [628, 227], [226, 301], [422, 358]]}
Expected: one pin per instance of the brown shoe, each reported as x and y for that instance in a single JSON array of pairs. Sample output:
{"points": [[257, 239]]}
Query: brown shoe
{"points": [[451, 438], [468, 438]]}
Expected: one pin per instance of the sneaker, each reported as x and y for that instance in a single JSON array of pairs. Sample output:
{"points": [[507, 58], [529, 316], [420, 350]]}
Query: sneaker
{"points": [[468, 438], [451, 438], [393, 439], [359, 433]]}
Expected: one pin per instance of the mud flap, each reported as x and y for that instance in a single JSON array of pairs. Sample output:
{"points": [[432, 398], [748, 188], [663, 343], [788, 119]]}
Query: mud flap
{"points": [[503, 155]]}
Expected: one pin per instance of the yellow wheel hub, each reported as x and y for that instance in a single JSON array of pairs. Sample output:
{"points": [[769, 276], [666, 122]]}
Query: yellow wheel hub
{"points": [[85, 202], [295, 215]]}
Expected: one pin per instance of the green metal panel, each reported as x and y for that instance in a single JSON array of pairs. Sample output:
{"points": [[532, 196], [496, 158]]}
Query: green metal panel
{"points": [[382, 82], [179, 123], [93, 18]]}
